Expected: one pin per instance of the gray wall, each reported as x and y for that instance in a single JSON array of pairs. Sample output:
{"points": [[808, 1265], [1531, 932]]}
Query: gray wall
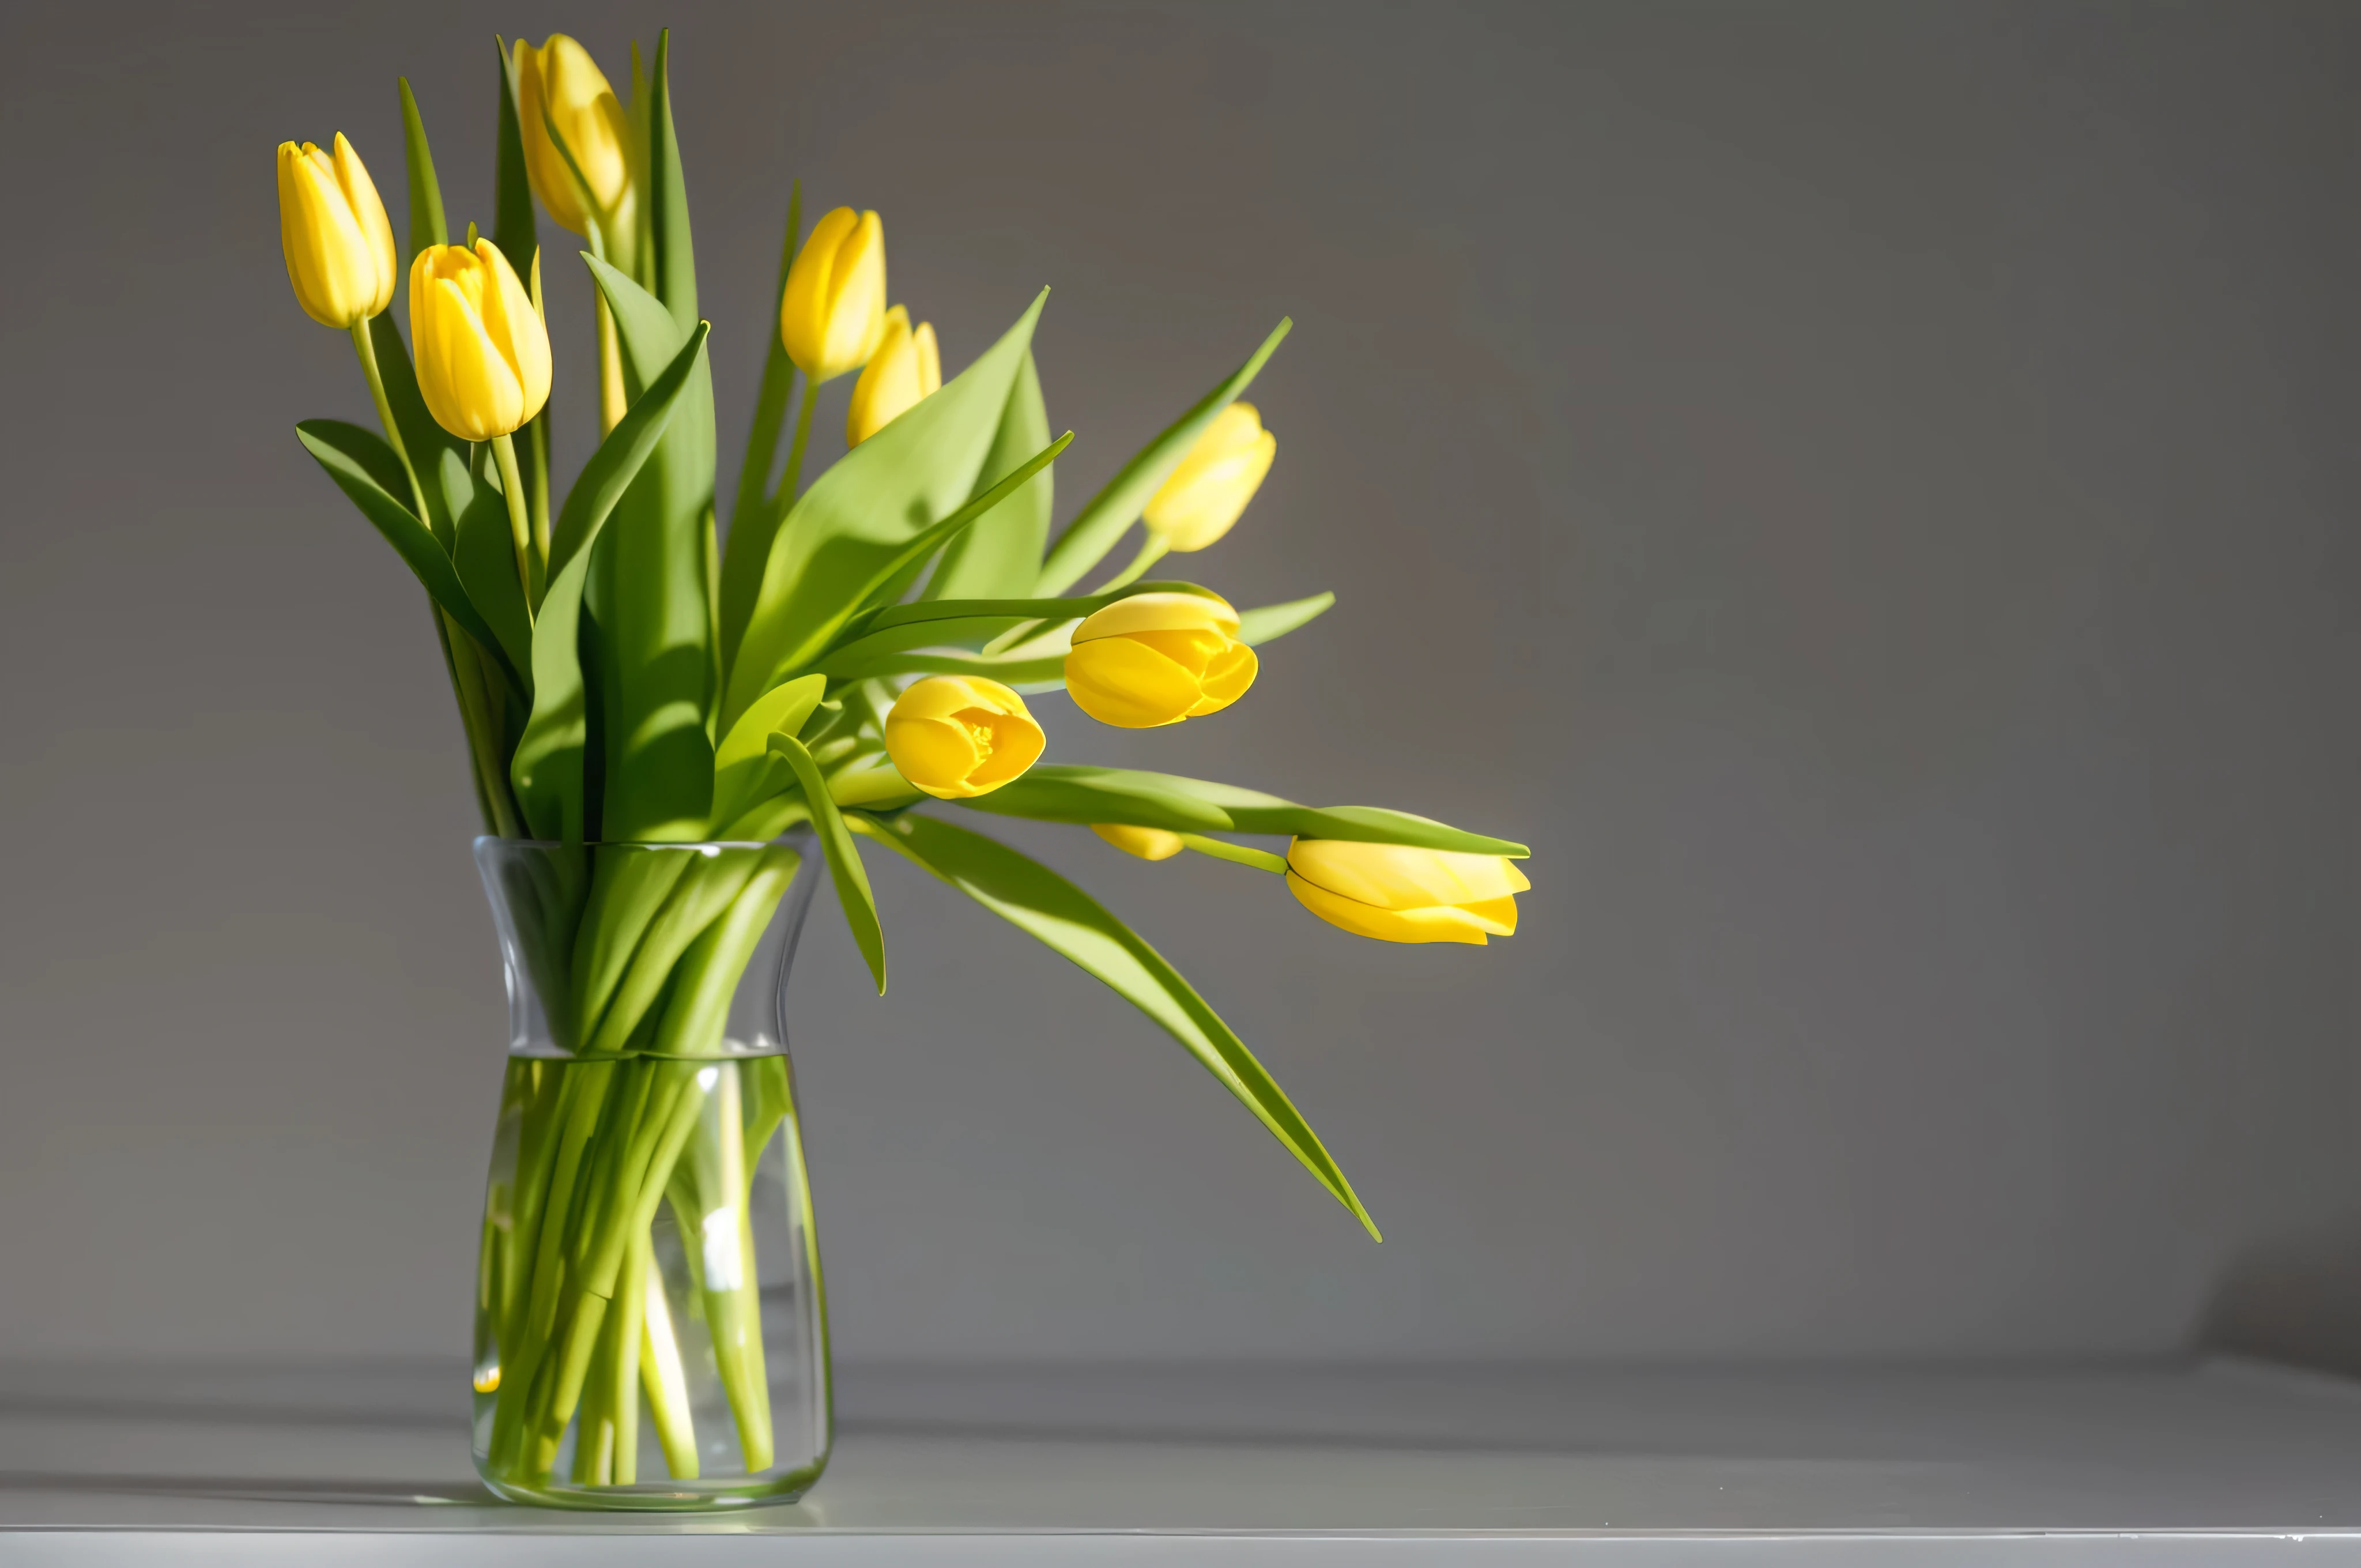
{"points": [[1867, 491]]}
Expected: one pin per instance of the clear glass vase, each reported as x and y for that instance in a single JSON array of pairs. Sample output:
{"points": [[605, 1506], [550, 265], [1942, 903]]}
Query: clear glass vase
{"points": [[650, 1325]]}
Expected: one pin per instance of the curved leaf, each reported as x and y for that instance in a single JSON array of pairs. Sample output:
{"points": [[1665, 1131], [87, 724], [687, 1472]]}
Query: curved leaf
{"points": [[360, 462], [1042, 903], [1067, 791], [1002, 554], [485, 558], [843, 859], [1096, 528], [743, 760], [1273, 621]]}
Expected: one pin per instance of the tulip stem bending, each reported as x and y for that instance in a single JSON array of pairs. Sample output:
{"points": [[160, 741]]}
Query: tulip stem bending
{"points": [[530, 565], [367, 351]]}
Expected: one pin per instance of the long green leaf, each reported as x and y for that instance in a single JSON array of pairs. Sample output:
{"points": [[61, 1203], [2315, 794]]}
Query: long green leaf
{"points": [[548, 768], [1078, 793], [485, 558], [844, 867], [513, 227], [1114, 509], [862, 513], [440, 460], [359, 463], [1001, 554], [650, 596], [1044, 904], [754, 521], [676, 257], [426, 192], [1273, 621]]}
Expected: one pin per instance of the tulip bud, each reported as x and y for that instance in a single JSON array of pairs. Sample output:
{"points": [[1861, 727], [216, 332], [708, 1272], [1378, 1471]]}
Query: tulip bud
{"points": [[1212, 485], [1157, 659], [333, 227], [483, 353], [833, 311], [560, 79], [1396, 893], [1148, 843], [905, 367], [961, 735]]}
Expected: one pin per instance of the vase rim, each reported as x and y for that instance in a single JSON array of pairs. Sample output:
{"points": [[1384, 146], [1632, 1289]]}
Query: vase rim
{"points": [[801, 830]]}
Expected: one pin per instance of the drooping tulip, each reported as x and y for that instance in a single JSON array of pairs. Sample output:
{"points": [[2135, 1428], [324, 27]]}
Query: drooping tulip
{"points": [[1396, 893], [483, 353], [1203, 498], [959, 736], [559, 84], [333, 227], [832, 313], [906, 368], [1148, 843], [1159, 658]]}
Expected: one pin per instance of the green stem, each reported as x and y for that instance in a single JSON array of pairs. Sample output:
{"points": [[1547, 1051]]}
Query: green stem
{"points": [[529, 561], [1151, 550], [785, 497], [1221, 849], [376, 378]]}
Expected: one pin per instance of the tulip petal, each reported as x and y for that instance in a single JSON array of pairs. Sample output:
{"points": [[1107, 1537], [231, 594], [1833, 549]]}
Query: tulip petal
{"points": [[1227, 678], [1397, 876], [1437, 923], [1148, 843], [368, 215], [1122, 682], [1130, 616], [515, 328]]}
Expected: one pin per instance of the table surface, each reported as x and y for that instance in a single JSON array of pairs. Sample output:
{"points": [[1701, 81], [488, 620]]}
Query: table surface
{"points": [[2210, 1461]]}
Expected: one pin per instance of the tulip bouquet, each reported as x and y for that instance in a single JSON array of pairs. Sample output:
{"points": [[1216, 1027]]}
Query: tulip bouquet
{"points": [[630, 674]]}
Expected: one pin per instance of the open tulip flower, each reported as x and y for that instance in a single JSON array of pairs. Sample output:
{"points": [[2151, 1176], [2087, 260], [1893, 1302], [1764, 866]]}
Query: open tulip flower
{"points": [[955, 736], [1155, 659], [817, 666]]}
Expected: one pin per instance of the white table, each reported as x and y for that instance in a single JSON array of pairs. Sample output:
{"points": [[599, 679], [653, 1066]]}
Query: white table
{"points": [[2219, 1462]]}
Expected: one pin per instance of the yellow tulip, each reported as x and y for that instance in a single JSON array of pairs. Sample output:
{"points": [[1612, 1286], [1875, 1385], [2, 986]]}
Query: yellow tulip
{"points": [[1212, 485], [483, 353], [833, 311], [560, 79], [905, 367], [1148, 843], [959, 736], [1396, 893], [333, 227], [1157, 659]]}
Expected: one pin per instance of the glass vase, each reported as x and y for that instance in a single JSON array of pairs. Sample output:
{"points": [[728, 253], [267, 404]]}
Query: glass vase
{"points": [[650, 1324]]}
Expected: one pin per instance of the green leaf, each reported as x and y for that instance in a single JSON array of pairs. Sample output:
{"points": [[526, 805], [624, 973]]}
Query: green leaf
{"points": [[843, 860], [859, 515], [425, 194], [1078, 793], [754, 521], [441, 460], [512, 221], [360, 464], [675, 258], [650, 597], [1094, 530], [486, 559], [1273, 621], [743, 760], [1039, 901], [1001, 554], [548, 768]]}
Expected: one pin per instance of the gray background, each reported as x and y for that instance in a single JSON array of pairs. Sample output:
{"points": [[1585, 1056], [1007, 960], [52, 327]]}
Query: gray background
{"points": [[1865, 489]]}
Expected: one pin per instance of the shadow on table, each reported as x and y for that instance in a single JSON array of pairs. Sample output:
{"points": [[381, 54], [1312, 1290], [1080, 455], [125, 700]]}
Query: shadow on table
{"points": [[2295, 1299]]}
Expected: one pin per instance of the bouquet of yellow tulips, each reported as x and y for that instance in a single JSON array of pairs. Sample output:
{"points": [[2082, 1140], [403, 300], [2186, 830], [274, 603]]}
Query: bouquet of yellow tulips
{"points": [[844, 654]]}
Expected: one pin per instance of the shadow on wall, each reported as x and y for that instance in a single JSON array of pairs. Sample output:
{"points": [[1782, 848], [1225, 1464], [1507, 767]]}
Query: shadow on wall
{"points": [[2295, 1299]]}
